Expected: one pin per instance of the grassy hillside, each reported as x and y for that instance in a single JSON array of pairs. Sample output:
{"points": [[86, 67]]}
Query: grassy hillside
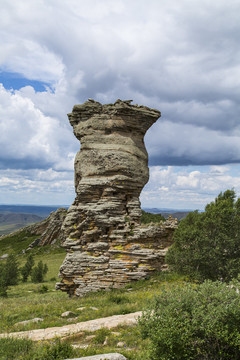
{"points": [[14, 217], [10, 222]]}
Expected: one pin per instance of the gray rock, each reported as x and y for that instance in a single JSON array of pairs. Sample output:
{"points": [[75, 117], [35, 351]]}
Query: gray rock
{"points": [[25, 322], [112, 356], [67, 314], [106, 246]]}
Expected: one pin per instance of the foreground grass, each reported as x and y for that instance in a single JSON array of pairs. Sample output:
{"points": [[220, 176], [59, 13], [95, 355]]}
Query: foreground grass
{"points": [[25, 301], [24, 349]]}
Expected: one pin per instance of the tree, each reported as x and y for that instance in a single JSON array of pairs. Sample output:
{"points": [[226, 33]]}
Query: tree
{"points": [[197, 322], [207, 245], [11, 270], [27, 268], [3, 283], [9, 274], [38, 272]]}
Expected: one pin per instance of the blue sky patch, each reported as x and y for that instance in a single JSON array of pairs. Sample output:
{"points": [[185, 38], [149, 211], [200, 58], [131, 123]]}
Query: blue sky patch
{"points": [[15, 81]]}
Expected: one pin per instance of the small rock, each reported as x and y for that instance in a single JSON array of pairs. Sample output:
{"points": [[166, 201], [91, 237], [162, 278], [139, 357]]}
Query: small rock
{"points": [[94, 308], [121, 344], [67, 314], [79, 346], [81, 308], [71, 319], [25, 322], [4, 256], [115, 333], [90, 337], [105, 341]]}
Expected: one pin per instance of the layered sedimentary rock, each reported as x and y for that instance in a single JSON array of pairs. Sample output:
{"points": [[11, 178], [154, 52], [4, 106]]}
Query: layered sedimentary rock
{"points": [[50, 229], [106, 246]]}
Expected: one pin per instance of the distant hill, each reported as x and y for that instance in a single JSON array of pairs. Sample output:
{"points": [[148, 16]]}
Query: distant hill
{"points": [[42, 211], [14, 217], [179, 214], [10, 222]]}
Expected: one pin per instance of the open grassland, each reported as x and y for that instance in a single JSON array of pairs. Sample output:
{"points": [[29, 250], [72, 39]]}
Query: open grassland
{"points": [[27, 301]]}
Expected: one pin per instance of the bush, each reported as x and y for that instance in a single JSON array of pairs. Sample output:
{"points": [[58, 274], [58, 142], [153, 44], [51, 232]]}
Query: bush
{"points": [[11, 349], [11, 270], [207, 245], [27, 268], [3, 283], [101, 335], [8, 274], [54, 351], [201, 322], [38, 272]]}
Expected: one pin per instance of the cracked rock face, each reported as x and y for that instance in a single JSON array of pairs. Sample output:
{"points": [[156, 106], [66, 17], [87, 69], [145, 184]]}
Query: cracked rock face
{"points": [[105, 245]]}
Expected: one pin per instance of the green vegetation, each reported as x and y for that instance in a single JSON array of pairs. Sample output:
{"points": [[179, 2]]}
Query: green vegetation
{"points": [[16, 243], [9, 273], [38, 272], [27, 268], [194, 322], [207, 245], [148, 218], [11, 349]]}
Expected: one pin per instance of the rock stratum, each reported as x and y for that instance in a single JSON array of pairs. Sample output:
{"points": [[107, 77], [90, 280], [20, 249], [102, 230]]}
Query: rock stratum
{"points": [[105, 243]]}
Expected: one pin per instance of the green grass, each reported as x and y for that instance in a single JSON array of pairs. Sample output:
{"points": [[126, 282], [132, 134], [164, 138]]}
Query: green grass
{"points": [[25, 302], [16, 243], [8, 228]]}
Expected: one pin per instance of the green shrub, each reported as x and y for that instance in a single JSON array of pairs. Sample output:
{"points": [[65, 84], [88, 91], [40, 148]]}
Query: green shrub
{"points": [[207, 245], [3, 283], [56, 350], [194, 322], [11, 270], [42, 289], [101, 335], [27, 268], [9, 273], [11, 349], [38, 272]]}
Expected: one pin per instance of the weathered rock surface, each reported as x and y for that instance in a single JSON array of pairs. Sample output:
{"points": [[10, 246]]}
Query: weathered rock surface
{"points": [[106, 246], [110, 356], [49, 229], [70, 329]]}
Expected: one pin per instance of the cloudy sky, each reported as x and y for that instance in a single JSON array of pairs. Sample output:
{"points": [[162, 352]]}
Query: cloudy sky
{"points": [[180, 57]]}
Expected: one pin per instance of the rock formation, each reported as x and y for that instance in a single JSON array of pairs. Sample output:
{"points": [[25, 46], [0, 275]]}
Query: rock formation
{"points": [[106, 246], [49, 229]]}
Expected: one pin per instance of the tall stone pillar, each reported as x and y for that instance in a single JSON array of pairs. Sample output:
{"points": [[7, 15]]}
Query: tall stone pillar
{"points": [[105, 245]]}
